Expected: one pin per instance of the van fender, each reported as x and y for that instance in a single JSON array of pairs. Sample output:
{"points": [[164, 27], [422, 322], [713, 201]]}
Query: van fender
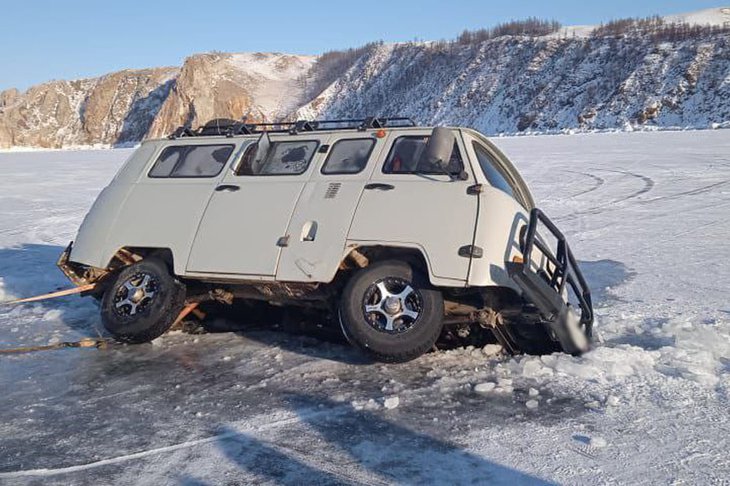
{"points": [[359, 254]]}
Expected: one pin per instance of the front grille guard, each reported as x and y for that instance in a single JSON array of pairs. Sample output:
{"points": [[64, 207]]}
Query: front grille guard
{"points": [[565, 272]]}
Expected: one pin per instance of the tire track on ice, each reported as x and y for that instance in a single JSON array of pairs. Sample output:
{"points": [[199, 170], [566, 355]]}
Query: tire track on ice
{"points": [[648, 185], [599, 181], [691, 192], [611, 205]]}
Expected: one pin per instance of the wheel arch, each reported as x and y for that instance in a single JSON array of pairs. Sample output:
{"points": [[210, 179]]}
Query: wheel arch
{"points": [[413, 254], [128, 255]]}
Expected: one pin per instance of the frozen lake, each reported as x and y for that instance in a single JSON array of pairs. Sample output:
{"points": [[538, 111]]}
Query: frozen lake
{"points": [[648, 215]]}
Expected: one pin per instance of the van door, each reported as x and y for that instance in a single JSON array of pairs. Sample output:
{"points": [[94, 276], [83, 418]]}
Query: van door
{"points": [[165, 203], [318, 230], [407, 204], [242, 230]]}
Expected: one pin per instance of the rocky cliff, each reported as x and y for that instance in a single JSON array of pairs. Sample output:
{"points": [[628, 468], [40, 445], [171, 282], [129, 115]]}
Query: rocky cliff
{"points": [[114, 109], [257, 86], [127, 106], [579, 78]]}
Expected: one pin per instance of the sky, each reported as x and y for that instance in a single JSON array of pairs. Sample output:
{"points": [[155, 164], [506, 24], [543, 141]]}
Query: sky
{"points": [[44, 39]]}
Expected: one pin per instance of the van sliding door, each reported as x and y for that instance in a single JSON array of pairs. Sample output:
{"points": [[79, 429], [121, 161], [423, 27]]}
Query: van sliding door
{"points": [[244, 226]]}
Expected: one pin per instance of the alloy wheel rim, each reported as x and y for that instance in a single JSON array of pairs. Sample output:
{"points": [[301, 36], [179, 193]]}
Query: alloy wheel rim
{"points": [[392, 305], [135, 294]]}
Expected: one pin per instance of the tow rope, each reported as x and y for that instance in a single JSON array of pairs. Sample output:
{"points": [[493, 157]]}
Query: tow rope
{"points": [[100, 343], [52, 295], [83, 343]]}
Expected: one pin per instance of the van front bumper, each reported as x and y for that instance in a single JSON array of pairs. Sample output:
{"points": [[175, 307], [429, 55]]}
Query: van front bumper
{"points": [[78, 273]]}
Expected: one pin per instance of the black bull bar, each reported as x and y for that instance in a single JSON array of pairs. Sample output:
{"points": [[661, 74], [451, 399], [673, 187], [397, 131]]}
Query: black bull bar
{"points": [[545, 290]]}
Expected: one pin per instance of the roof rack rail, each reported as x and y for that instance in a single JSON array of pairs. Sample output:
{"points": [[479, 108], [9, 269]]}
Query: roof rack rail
{"points": [[229, 128]]}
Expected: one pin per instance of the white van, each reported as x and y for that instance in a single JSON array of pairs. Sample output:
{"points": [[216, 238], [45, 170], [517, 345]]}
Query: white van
{"points": [[397, 230]]}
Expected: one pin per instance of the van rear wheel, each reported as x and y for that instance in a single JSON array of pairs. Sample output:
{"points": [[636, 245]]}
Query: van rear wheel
{"points": [[142, 302], [390, 310]]}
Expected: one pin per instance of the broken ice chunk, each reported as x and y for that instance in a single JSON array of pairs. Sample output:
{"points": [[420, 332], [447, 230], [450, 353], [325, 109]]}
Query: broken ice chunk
{"points": [[484, 387], [391, 402]]}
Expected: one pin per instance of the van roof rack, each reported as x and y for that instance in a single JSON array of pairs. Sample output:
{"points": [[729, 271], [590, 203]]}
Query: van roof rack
{"points": [[229, 128]]}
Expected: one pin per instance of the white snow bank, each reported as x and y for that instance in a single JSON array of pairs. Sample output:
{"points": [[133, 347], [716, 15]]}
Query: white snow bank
{"points": [[604, 364], [697, 354]]}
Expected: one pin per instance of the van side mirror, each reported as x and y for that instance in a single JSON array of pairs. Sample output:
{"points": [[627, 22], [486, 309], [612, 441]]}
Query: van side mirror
{"points": [[439, 148]]}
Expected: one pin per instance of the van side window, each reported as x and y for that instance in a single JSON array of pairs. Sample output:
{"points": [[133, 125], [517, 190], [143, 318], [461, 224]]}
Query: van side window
{"points": [[283, 158], [405, 158], [494, 175], [191, 161], [348, 156]]}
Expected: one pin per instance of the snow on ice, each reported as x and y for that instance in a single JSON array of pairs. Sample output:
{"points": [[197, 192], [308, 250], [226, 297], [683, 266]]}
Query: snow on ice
{"points": [[646, 214]]}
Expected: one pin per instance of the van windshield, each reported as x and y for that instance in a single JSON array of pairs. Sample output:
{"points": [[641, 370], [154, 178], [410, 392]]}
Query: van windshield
{"points": [[405, 158], [494, 176]]}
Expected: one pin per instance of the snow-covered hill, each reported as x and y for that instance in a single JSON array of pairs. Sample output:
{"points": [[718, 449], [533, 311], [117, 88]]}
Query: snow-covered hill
{"points": [[719, 16], [113, 109], [128, 106], [577, 78], [513, 85], [258, 86]]}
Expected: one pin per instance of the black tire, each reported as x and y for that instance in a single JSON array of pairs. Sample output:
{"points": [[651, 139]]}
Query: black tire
{"points": [[532, 339], [408, 337], [151, 317]]}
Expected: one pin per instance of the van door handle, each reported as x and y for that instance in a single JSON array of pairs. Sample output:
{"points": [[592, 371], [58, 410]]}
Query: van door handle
{"points": [[309, 231], [379, 187], [227, 187]]}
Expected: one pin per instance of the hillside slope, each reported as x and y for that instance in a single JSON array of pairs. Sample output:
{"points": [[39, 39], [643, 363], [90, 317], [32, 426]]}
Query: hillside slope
{"points": [[113, 109], [258, 86], [512, 85], [581, 78]]}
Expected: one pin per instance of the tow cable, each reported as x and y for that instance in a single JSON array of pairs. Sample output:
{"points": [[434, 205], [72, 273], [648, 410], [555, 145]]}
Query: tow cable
{"points": [[98, 343], [83, 343], [52, 295]]}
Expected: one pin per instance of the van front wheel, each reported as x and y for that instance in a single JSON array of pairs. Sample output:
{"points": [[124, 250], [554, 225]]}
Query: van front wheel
{"points": [[390, 310], [142, 302]]}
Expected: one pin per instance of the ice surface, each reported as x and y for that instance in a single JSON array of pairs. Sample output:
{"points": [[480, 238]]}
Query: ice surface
{"points": [[598, 442], [646, 214]]}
